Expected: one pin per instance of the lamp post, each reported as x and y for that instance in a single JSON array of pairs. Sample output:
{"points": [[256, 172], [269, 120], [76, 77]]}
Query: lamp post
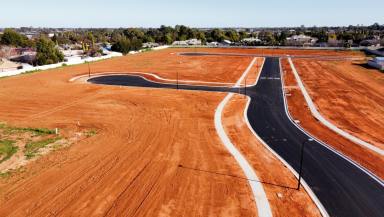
{"points": [[301, 161], [89, 70], [177, 80], [177, 76], [245, 87]]}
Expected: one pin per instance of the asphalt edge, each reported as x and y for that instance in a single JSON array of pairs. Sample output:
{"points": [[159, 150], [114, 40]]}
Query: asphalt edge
{"points": [[315, 113], [312, 195], [362, 168], [260, 197]]}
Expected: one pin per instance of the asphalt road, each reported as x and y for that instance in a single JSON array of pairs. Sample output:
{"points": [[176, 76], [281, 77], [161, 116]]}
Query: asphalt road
{"points": [[342, 188]]}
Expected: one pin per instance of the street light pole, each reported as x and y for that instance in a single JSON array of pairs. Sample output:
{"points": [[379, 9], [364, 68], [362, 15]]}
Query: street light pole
{"points": [[245, 86], [89, 70], [301, 161]]}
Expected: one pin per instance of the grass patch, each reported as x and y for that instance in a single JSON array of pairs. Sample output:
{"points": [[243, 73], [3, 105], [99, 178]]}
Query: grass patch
{"points": [[32, 148], [7, 149], [32, 71], [35, 131], [90, 133], [5, 175]]}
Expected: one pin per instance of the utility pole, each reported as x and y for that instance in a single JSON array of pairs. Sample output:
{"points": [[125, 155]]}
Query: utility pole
{"points": [[245, 86], [301, 161], [89, 70], [177, 80]]}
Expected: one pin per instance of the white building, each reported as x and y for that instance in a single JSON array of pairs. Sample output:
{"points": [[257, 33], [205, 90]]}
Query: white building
{"points": [[213, 44], [301, 40], [180, 43], [250, 40], [194, 41], [150, 45], [226, 42]]}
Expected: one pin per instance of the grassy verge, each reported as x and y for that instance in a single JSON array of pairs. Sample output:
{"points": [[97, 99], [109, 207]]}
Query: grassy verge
{"points": [[36, 131], [32, 148], [7, 149]]}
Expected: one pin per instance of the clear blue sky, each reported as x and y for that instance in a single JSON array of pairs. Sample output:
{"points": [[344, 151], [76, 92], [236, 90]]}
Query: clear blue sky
{"points": [[194, 13]]}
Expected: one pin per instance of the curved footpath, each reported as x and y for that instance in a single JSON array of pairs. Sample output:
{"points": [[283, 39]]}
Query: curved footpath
{"points": [[343, 188]]}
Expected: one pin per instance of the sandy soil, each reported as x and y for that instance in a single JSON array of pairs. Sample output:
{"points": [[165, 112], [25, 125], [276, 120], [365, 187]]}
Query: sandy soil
{"points": [[347, 95], [152, 152], [280, 186]]}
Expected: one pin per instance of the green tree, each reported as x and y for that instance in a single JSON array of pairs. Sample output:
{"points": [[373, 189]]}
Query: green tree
{"points": [[47, 53], [217, 35], [168, 38], [136, 44], [232, 35], [243, 34], [11, 37], [125, 45], [201, 36]]}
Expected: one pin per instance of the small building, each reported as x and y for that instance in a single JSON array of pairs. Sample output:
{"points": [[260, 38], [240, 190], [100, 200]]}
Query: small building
{"points": [[251, 40], [180, 43], [25, 57], [370, 43], [226, 42], [213, 44], [150, 45], [31, 35], [377, 62], [70, 53], [193, 41], [300, 40]]}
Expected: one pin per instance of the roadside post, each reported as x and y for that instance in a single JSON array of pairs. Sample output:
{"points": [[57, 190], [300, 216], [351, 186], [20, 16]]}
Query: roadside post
{"points": [[177, 80], [89, 70], [245, 86], [301, 161]]}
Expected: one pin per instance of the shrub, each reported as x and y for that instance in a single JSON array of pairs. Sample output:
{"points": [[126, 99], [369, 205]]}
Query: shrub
{"points": [[47, 53]]}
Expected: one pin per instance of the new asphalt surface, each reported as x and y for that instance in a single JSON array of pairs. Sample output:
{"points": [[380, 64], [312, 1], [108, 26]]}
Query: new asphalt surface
{"points": [[342, 188]]}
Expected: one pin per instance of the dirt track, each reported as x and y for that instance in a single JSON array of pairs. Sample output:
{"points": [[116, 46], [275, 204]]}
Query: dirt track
{"points": [[349, 96], [132, 167]]}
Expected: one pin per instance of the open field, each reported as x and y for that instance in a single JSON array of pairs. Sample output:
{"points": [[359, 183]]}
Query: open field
{"points": [[132, 166], [157, 151], [350, 97]]}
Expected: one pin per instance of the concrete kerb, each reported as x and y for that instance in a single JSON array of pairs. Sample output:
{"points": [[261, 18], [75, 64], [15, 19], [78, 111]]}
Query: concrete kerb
{"points": [[261, 200], [362, 168], [318, 116], [312, 195]]}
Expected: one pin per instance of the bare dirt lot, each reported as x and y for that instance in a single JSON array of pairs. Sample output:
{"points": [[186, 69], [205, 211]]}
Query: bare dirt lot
{"points": [[280, 186], [348, 95], [132, 166], [152, 146]]}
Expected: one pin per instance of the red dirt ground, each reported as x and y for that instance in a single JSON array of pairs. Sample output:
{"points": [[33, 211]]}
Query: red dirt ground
{"points": [[131, 167], [167, 63], [263, 161], [337, 89]]}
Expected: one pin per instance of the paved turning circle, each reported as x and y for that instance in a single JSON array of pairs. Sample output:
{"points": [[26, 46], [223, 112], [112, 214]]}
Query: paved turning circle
{"points": [[342, 188]]}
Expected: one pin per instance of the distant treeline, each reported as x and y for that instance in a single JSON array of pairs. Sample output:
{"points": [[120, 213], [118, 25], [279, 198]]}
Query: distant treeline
{"points": [[127, 39]]}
